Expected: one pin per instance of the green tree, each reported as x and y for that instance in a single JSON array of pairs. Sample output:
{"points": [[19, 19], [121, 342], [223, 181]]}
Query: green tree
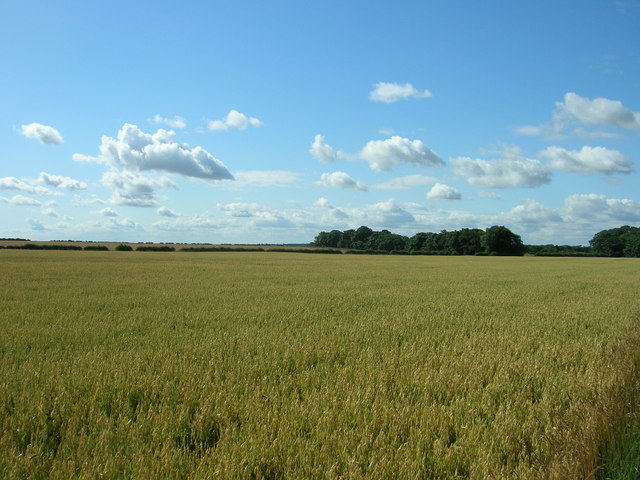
{"points": [[617, 242], [328, 239], [499, 240]]}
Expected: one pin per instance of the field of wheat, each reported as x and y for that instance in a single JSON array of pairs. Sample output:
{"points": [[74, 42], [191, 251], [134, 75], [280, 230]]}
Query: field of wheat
{"points": [[292, 366]]}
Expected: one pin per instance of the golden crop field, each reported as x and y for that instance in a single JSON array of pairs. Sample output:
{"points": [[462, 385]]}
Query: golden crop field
{"points": [[296, 366]]}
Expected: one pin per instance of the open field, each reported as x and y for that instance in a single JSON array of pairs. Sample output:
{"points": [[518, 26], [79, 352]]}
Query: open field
{"points": [[283, 365]]}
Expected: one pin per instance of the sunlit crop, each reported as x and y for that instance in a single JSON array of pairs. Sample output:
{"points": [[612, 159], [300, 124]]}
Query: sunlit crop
{"points": [[283, 365]]}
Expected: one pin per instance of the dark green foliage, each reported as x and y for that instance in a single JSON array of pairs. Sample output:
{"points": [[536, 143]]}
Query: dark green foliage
{"points": [[499, 240], [365, 240], [102, 248], [198, 437], [155, 248], [617, 242], [44, 246], [328, 239], [124, 248], [558, 250]]}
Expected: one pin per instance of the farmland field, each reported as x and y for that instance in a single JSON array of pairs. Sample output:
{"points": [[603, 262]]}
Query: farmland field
{"points": [[285, 365]]}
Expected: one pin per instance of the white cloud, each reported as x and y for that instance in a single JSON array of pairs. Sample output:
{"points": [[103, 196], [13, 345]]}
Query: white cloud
{"points": [[107, 212], [133, 189], [587, 208], [241, 209], [78, 201], [175, 122], [138, 151], [385, 214], [340, 180], [61, 182], [576, 110], [531, 214], [13, 183], [324, 152], [266, 178], [587, 160], [405, 183], [441, 191], [21, 200], [118, 224], [50, 212], [43, 133], [514, 170], [599, 111], [392, 92], [166, 212], [234, 119], [383, 155]]}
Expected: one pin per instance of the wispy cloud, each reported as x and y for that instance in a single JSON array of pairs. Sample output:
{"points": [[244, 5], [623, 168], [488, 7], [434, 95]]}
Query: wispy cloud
{"points": [[234, 119], [392, 92], [175, 122]]}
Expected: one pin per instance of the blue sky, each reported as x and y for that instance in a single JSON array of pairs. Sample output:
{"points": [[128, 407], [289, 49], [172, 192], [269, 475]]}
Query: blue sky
{"points": [[267, 122]]}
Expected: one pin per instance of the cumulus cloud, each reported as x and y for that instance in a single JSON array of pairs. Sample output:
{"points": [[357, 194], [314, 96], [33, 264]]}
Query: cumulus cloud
{"points": [[599, 111], [50, 212], [133, 189], [13, 183], [61, 182], [166, 212], [392, 92], [21, 200], [137, 151], [175, 122], [587, 160], [107, 212], [43, 133], [241, 209], [340, 180], [234, 119], [405, 183], [440, 191], [598, 208], [383, 155], [324, 152], [386, 214], [531, 213], [575, 110], [514, 170]]}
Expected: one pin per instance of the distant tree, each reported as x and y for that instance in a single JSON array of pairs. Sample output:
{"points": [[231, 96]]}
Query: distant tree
{"points": [[361, 237], [387, 241], [471, 241], [124, 248], [499, 240], [617, 242], [328, 239], [346, 240], [420, 242]]}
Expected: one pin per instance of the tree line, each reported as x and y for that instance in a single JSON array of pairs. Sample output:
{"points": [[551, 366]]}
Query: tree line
{"points": [[496, 240]]}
